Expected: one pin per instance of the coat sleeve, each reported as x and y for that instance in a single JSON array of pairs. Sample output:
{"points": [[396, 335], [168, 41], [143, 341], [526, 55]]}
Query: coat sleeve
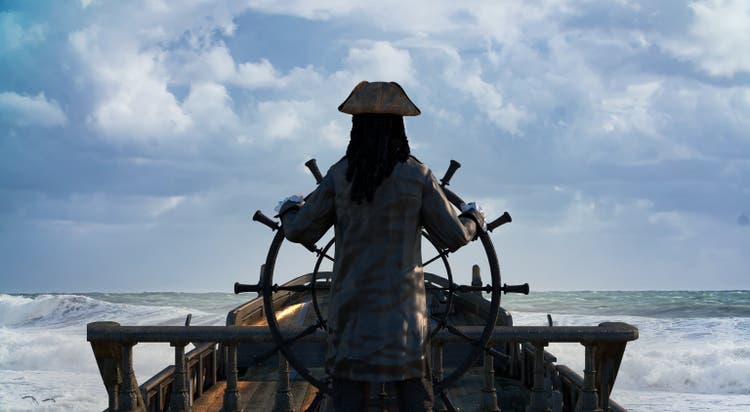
{"points": [[308, 222], [447, 229]]}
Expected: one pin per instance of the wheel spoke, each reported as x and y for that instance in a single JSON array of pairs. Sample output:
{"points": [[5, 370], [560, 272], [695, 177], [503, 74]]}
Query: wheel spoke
{"points": [[435, 331], [299, 288], [501, 357], [291, 288], [308, 330], [460, 334], [315, 404], [447, 402], [462, 288], [319, 252], [439, 288], [431, 260]]}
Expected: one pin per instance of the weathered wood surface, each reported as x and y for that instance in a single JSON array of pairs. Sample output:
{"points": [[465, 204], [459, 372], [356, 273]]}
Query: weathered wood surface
{"points": [[256, 396], [106, 332]]}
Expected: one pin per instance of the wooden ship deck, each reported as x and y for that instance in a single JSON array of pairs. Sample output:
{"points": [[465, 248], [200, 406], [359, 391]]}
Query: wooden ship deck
{"points": [[237, 367]]}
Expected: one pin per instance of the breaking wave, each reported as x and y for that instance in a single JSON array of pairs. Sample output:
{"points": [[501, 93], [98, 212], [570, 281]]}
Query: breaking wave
{"points": [[43, 345], [686, 355], [69, 310], [694, 347]]}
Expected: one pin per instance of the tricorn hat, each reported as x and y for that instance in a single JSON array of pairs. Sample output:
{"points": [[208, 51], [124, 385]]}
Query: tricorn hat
{"points": [[379, 97]]}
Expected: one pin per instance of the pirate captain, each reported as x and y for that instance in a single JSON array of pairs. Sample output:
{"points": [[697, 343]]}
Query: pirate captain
{"points": [[378, 198]]}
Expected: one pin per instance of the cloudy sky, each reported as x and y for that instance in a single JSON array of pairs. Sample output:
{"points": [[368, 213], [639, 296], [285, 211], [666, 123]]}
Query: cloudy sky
{"points": [[137, 138]]}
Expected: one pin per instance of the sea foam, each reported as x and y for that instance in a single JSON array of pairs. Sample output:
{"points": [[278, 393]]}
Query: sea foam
{"points": [[56, 311], [686, 358], [44, 353], [683, 355]]}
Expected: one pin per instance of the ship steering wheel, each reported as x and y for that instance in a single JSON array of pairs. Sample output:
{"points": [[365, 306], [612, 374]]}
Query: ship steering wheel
{"points": [[267, 288]]}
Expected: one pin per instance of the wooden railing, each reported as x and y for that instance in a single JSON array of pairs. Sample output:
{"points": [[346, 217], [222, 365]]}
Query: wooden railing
{"points": [[561, 385], [113, 343], [202, 370]]}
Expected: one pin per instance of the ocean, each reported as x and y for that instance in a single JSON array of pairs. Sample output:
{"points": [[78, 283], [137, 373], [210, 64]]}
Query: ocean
{"points": [[693, 353]]}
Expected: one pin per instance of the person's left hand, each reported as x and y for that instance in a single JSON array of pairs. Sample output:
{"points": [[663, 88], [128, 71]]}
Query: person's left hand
{"points": [[473, 206], [297, 200]]}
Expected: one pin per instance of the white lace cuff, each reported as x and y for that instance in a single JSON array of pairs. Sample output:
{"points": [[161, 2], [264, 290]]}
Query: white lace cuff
{"points": [[299, 199]]}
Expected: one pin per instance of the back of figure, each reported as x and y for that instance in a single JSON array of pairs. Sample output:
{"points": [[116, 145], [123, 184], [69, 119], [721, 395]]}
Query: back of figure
{"points": [[378, 198]]}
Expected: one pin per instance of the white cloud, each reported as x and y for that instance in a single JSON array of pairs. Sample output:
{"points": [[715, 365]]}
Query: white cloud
{"points": [[582, 83], [132, 54], [210, 108], [159, 206], [679, 119], [212, 64], [14, 35], [318, 10], [81, 208], [578, 212], [134, 102], [381, 61], [335, 134], [216, 64], [169, 47], [509, 22], [489, 101], [672, 221], [448, 117], [30, 110], [281, 119], [717, 40], [583, 213], [631, 110], [257, 74], [464, 20]]}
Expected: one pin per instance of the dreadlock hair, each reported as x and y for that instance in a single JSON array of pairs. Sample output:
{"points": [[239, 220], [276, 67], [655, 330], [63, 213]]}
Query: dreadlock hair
{"points": [[378, 142]]}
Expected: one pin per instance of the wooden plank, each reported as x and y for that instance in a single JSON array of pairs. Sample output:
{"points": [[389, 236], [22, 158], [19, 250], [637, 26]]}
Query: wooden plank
{"points": [[262, 399], [213, 399], [256, 396], [303, 393]]}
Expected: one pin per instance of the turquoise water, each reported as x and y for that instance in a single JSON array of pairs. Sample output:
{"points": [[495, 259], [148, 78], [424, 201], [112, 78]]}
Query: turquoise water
{"points": [[658, 304]]}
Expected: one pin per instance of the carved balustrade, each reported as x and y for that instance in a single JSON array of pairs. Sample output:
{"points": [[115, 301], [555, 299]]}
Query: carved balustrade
{"points": [[196, 371]]}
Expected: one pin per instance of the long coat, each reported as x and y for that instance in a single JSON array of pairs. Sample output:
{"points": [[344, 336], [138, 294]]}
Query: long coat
{"points": [[377, 315]]}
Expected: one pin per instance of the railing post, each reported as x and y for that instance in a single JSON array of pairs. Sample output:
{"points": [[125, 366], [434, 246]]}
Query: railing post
{"points": [[476, 279], [162, 401], [538, 402], [212, 378], [556, 397], [524, 364], [437, 358], [589, 400], [489, 396], [382, 396], [283, 401], [199, 377], [231, 393], [128, 398], [180, 399]]}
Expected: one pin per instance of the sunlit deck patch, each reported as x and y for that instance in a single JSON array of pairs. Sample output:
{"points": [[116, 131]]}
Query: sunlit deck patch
{"points": [[282, 314]]}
